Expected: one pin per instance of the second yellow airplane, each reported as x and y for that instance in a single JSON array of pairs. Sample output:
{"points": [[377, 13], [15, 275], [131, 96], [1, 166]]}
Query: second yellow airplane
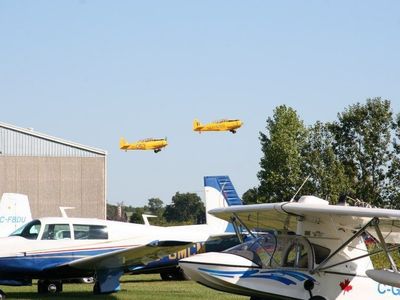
{"points": [[221, 125], [148, 144]]}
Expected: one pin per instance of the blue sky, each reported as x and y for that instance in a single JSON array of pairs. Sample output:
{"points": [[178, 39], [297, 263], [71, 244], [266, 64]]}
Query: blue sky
{"points": [[92, 71]]}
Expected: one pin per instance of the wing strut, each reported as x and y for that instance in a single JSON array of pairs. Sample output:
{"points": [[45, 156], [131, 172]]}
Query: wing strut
{"points": [[384, 246], [236, 218], [322, 267]]}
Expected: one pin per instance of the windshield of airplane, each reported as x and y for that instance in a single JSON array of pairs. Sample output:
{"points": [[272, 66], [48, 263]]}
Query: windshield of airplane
{"points": [[29, 231], [259, 250], [272, 251]]}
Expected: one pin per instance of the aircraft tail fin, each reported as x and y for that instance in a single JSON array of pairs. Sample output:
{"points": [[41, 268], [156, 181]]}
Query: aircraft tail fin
{"points": [[196, 125], [219, 192], [14, 212], [123, 143]]}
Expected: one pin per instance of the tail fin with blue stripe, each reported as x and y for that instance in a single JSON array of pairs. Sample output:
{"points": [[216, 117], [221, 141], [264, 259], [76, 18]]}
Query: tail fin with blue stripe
{"points": [[219, 193]]}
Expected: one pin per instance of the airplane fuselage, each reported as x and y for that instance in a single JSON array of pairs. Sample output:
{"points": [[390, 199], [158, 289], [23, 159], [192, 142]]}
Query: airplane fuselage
{"points": [[225, 125], [53, 242], [148, 144]]}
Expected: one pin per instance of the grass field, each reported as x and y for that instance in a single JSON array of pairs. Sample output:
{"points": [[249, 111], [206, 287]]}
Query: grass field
{"points": [[132, 287]]}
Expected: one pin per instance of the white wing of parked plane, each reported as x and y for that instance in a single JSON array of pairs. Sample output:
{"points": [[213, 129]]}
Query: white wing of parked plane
{"points": [[284, 216], [128, 256]]}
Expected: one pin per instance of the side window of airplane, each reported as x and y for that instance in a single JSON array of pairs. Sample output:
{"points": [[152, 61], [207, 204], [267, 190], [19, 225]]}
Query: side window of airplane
{"points": [[29, 231], [297, 254], [56, 232], [90, 232]]}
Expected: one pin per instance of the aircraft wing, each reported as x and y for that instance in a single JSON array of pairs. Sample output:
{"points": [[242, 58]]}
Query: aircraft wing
{"points": [[128, 256], [284, 215]]}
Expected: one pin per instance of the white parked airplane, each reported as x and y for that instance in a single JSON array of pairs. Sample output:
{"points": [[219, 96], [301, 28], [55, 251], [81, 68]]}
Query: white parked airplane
{"points": [[53, 249], [308, 250], [14, 212]]}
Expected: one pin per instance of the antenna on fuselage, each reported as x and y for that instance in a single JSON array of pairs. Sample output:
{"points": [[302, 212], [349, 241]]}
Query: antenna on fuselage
{"points": [[304, 182], [63, 210], [146, 218]]}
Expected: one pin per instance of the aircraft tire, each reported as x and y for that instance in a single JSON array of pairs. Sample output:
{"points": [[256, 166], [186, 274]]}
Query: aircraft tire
{"points": [[177, 274], [2, 295], [49, 286]]}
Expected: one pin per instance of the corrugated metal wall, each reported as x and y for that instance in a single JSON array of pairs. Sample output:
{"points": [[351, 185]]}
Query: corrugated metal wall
{"points": [[22, 144], [53, 174]]}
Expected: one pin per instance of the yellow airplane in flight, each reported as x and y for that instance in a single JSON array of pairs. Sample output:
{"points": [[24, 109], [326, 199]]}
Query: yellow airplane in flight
{"points": [[147, 144], [221, 125]]}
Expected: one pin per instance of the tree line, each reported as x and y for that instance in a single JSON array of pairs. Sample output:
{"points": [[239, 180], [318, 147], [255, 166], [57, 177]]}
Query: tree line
{"points": [[356, 156], [185, 208]]}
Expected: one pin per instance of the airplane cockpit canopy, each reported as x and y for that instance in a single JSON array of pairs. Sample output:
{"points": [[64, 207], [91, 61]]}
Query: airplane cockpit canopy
{"points": [[281, 251]]}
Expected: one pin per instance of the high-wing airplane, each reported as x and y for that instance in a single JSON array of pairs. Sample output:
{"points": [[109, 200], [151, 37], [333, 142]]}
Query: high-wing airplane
{"points": [[221, 125], [148, 144], [14, 212], [304, 250], [54, 249]]}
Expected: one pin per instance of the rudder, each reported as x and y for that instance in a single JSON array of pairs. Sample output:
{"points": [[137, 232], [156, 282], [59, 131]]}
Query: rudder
{"points": [[196, 125], [219, 193]]}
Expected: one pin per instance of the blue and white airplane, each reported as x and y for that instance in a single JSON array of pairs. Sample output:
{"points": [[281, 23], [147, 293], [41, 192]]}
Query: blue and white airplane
{"points": [[308, 250], [54, 249]]}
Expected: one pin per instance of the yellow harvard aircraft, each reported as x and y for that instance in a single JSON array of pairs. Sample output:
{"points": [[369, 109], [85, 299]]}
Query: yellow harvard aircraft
{"points": [[147, 144], [221, 125]]}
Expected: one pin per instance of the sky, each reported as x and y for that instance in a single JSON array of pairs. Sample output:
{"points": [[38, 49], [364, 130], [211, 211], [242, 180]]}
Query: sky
{"points": [[91, 71]]}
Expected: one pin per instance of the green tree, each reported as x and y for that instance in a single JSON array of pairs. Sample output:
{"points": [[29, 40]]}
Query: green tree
{"points": [[393, 190], [185, 208], [155, 206], [136, 216], [362, 143], [327, 174], [112, 213], [281, 162], [251, 196]]}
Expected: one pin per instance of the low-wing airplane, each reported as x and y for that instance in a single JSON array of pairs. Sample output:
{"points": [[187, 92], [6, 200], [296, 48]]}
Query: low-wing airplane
{"points": [[54, 249], [221, 125], [14, 212], [148, 144], [304, 250]]}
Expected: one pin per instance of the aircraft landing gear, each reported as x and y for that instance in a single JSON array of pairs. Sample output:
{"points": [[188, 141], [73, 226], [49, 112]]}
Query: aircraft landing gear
{"points": [[2, 295], [157, 150], [309, 286], [96, 288], [173, 275], [233, 131], [49, 286]]}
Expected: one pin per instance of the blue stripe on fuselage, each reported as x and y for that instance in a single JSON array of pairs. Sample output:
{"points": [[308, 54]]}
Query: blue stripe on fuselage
{"points": [[32, 263]]}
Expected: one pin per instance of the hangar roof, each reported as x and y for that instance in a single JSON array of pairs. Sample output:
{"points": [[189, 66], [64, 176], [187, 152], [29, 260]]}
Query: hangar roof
{"points": [[17, 141]]}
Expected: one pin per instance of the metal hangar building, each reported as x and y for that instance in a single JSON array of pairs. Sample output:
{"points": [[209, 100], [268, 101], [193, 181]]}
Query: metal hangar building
{"points": [[53, 173]]}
